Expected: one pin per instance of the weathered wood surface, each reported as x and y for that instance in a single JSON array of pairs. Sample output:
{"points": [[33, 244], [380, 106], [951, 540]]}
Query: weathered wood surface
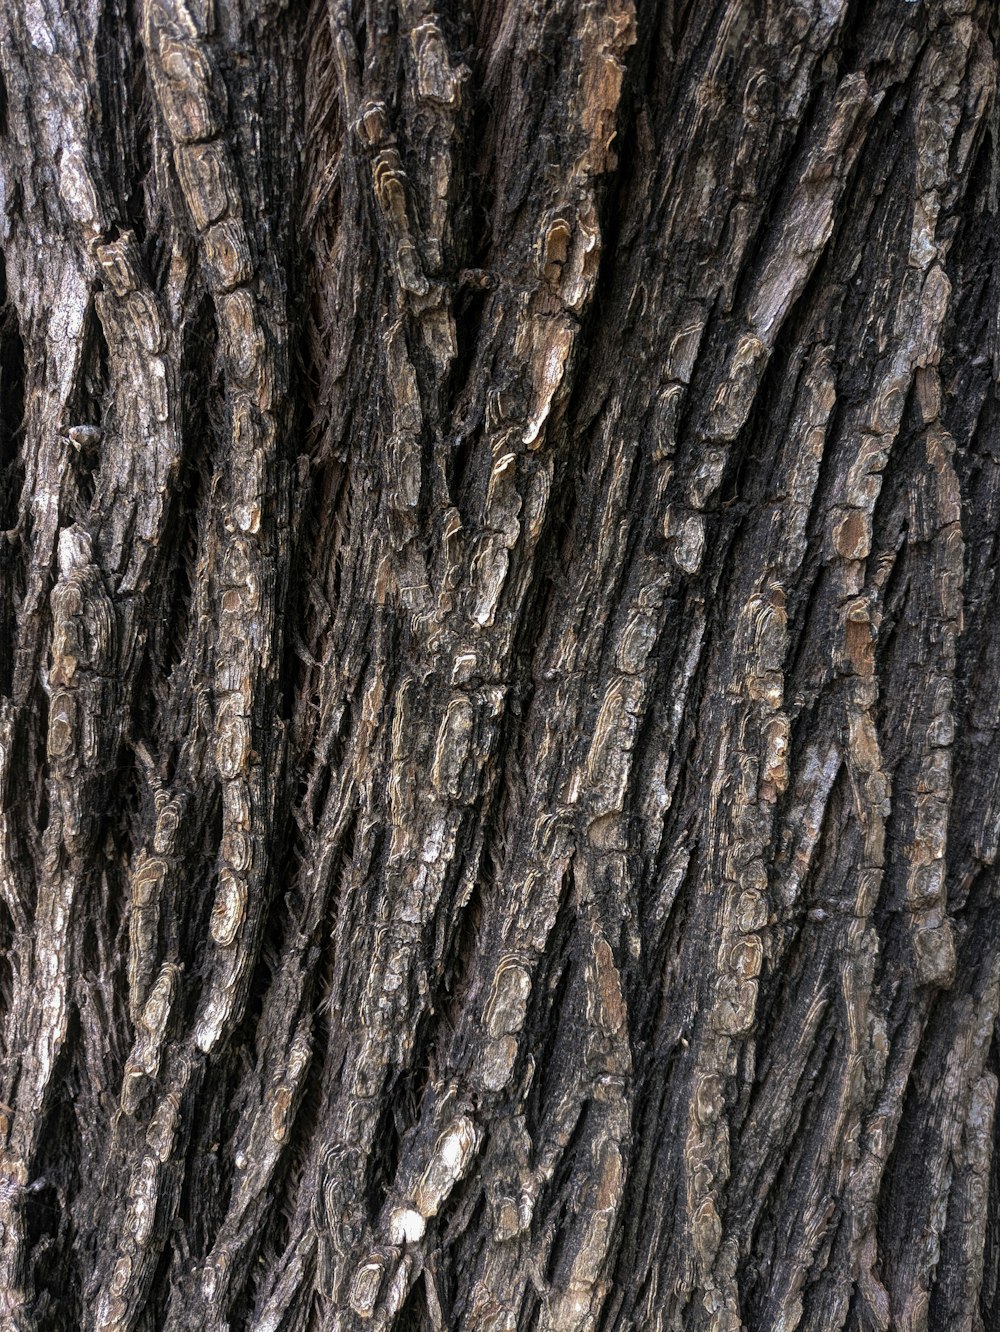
{"points": [[499, 670]]}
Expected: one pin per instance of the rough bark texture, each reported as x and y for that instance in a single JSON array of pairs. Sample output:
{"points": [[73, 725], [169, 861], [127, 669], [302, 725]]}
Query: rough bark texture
{"points": [[499, 682]]}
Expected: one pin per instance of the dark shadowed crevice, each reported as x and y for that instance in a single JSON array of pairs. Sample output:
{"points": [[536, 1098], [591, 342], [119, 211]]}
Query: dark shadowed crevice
{"points": [[413, 1316], [173, 630], [472, 300], [125, 111], [211, 1175], [989, 1297], [12, 382], [547, 1014], [60, 1181], [187, 926], [84, 415]]}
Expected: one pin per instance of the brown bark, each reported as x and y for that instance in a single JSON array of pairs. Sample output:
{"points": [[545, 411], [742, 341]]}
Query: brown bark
{"points": [[499, 693]]}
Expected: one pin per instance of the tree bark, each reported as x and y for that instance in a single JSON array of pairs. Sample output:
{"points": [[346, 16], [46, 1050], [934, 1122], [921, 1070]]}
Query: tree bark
{"points": [[499, 690]]}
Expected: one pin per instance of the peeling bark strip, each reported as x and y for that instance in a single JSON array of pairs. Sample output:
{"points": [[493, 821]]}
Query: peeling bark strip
{"points": [[499, 782]]}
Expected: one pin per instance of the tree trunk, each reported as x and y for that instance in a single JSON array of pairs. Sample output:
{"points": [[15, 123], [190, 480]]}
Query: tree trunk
{"points": [[499, 695]]}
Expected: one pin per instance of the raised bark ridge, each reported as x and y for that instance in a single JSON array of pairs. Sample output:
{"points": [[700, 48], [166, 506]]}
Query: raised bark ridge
{"points": [[499, 789]]}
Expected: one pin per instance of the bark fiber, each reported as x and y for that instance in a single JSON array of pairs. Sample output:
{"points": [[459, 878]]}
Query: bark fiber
{"points": [[499, 667]]}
